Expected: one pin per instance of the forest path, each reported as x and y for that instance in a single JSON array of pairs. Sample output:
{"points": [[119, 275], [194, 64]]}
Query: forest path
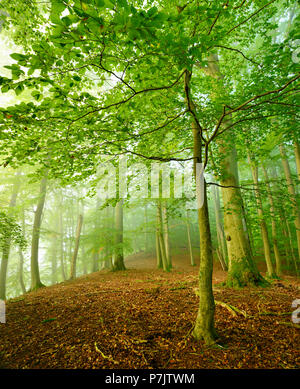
{"points": [[142, 319]]}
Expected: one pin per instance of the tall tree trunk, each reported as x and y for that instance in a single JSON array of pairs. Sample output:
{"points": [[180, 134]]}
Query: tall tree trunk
{"points": [[75, 253], [146, 230], [242, 270], [166, 235], [161, 238], [274, 224], [7, 242], [21, 271], [158, 252], [34, 260], [292, 193], [262, 221], [204, 327], [159, 261], [61, 244], [95, 261], [221, 250], [107, 263], [118, 263], [188, 230]]}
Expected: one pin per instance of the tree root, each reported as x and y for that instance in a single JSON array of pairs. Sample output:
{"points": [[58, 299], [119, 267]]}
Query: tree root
{"points": [[110, 358], [233, 310]]}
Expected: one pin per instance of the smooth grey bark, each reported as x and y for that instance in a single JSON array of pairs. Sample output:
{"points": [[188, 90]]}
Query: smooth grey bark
{"points": [[75, 253], [61, 244], [21, 271], [118, 261], [188, 230], [34, 260], [166, 235], [221, 249], [161, 238]]}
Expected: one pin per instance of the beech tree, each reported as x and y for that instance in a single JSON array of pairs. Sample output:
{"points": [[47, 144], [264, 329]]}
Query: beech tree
{"points": [[178, 81]]}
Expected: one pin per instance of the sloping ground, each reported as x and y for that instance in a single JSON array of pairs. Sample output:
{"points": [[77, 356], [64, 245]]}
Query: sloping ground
{"points": [[142, 319]]}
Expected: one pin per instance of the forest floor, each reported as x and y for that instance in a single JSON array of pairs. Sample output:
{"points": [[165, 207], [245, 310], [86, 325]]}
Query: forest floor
{"points": [[142, 318]]}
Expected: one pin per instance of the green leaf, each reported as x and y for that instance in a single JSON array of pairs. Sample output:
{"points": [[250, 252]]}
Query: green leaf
{"points": [[48, 320], [19, 89], [100, 3], [18, 57], [76, 78], [5, 88]]}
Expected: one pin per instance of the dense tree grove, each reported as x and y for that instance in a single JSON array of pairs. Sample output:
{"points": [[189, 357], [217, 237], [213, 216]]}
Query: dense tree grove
{"points": [[90, 87]]}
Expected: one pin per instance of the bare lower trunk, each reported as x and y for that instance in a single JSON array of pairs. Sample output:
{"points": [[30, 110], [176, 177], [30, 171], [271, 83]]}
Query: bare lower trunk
{"points": [[158, 252], [188, 229], [75, 253], [118, 262], [161, 237], [221, 249], [21, 274], [34, 261], [166, 235], [61, 242]]}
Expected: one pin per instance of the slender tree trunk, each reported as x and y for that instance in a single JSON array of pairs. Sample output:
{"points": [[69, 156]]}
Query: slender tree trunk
{"points": [[159, 261], [118, 263], [274, 225], [262, 221], [158, 252], [146, 230], [95, 261], [75, 253], [21, 259], [107, 263], [7, 242], [21, 271], [161, 238], [204, 327], [188, 230], [221, 250], [292, 193], [166, 235], [61, 244], [34, 261]]}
